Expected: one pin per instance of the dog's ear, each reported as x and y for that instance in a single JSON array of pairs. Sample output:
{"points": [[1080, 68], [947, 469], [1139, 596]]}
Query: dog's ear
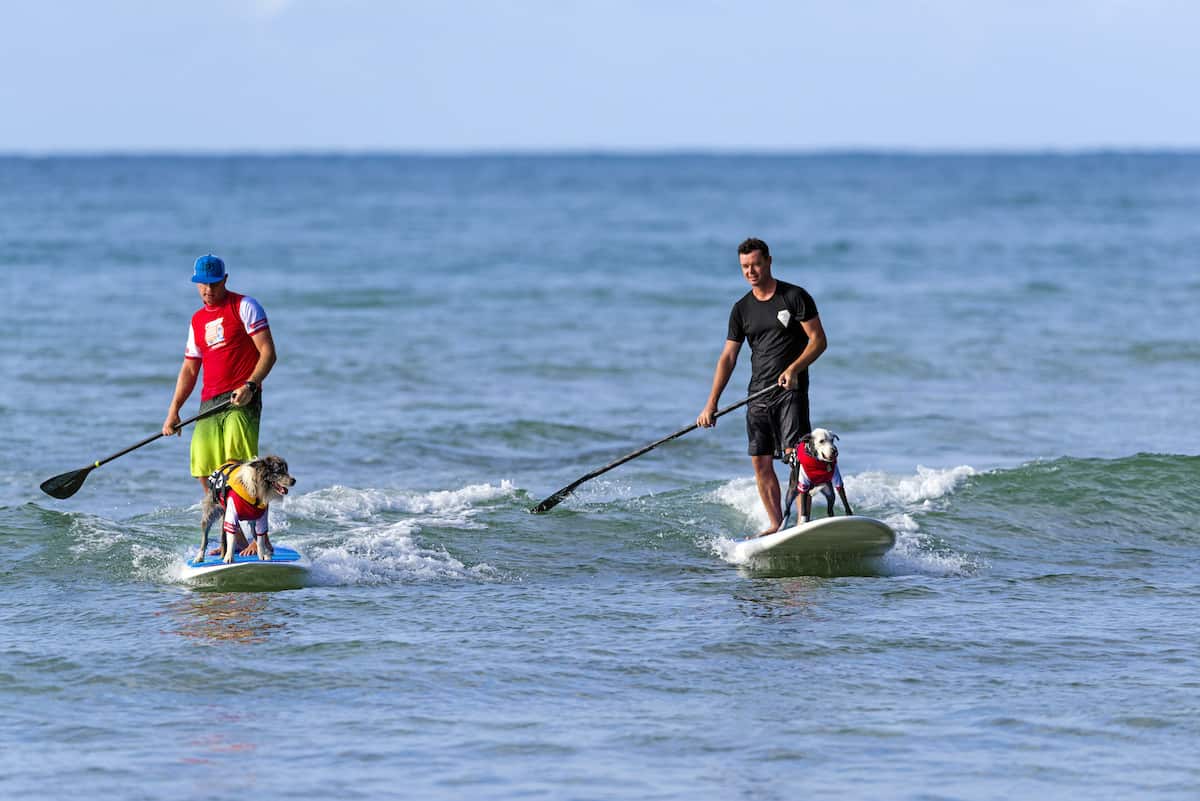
{"points": [[807, 437], [835, 436]]}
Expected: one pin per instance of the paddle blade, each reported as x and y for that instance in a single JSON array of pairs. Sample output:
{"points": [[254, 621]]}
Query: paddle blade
{"points": [[545, 506], [552, 501], [67, 484]]}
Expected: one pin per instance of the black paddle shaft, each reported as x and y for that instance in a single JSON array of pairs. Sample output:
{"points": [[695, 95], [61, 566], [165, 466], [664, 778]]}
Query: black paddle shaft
{"points": [[557, 498], [67, 484]]}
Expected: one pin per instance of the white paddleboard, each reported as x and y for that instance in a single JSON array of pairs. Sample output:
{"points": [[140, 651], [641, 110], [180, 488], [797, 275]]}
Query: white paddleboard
{"points": [[837, 536], [288, 569]]}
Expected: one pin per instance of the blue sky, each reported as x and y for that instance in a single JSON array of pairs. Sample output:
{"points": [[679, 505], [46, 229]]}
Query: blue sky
{"points": [[284, 75]]}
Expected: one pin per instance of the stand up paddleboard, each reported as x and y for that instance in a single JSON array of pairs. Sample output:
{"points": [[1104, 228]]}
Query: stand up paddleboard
{"points": [[851, 536], [287, 570]]}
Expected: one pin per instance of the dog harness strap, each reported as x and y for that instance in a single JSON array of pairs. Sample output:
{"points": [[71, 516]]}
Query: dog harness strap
{"points": [[218, 482]]}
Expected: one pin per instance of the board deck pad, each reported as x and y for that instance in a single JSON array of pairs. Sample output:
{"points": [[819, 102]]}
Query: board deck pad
{"points": [[837, 536]]}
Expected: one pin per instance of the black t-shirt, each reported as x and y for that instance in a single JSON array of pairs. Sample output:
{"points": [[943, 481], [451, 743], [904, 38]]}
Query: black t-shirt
{"points": [[774, 330]]}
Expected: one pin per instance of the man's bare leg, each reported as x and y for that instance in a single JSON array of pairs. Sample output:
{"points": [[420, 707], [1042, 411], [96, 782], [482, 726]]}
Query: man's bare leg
{"points": [[768, 491]]}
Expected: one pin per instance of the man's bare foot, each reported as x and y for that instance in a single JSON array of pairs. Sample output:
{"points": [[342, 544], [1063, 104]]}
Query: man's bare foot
{"points": [[250, 550], [767, 531]]}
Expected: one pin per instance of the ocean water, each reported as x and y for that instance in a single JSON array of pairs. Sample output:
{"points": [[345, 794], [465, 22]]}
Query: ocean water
{"points": [[1012, 370]]}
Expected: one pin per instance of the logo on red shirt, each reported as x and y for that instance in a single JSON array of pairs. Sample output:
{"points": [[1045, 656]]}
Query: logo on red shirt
{"points": [[214, 332]]}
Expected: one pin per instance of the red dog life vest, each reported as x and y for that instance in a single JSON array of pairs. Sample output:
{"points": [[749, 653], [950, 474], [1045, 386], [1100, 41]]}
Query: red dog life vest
{"points": [[814, 472]]}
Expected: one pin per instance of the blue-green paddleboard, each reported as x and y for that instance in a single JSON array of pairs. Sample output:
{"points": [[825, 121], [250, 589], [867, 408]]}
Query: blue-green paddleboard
{"points": [[288, 569]]}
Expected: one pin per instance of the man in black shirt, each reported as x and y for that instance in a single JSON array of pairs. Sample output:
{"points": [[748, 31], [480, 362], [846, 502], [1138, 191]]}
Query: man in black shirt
{"points": [[780, 321]]}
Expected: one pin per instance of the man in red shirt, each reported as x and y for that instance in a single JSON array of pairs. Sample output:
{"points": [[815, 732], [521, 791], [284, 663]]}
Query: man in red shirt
{"points": [[230, 342]]}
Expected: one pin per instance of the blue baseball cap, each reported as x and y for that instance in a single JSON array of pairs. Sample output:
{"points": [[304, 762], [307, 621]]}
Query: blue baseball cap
{"points": [[209, 270]]}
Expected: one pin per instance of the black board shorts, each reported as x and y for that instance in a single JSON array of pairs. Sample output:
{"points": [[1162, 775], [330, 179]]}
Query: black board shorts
{"points": [[777, 421]]}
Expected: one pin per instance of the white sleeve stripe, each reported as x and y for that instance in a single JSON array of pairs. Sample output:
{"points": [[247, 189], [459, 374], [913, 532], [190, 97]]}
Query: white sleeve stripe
{"points": [[190, 350], [254, 319]]}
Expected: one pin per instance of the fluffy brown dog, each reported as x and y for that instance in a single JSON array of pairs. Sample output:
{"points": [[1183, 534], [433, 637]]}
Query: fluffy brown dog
{"points": [[242, 492]]}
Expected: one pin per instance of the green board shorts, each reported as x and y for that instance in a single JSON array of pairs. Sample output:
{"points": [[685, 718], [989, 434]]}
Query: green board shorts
{"points": [[231, 434]]}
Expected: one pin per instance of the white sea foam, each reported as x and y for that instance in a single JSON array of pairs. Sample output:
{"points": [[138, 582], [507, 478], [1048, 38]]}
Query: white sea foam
{"points": [[361, 542], [914, 554], [725, 548], [742, 494], [896, 500], [93, 536], [346, 504], [880, 490], [603, 490], [386, 554]]}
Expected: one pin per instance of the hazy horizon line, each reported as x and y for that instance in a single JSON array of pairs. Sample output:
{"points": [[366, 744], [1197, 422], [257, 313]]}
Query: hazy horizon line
{"points": [[602, 152]]}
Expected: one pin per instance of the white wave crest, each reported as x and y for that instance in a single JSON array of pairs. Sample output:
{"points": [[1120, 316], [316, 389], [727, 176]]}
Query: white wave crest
{"points": [[742, 495], [870, 491], [346, 504], [880, 490]]}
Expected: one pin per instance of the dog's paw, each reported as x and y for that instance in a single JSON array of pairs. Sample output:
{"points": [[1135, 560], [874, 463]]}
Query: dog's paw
{"points": [[228, 558]]}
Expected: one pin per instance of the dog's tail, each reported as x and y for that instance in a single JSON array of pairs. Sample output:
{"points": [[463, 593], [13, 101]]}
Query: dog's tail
{"points": [[206, 523]]}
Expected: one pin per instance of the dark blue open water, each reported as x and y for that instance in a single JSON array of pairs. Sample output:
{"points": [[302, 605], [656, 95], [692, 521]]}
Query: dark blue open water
{"points": [[1012, 370]]}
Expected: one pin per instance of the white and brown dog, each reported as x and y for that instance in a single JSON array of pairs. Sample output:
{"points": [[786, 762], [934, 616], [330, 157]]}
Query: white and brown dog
{"points": [[817, 471], [242, 492]]}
